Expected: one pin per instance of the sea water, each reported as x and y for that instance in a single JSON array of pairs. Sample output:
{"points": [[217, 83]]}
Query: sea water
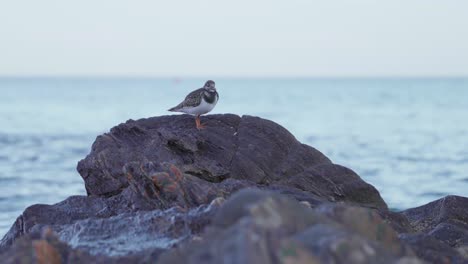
{"points": [[407, 137]]}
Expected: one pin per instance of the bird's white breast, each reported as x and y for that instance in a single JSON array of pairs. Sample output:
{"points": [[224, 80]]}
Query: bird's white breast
{"points": [[201, 109]]}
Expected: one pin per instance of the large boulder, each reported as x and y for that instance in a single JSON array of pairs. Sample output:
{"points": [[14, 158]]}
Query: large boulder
{"points": [[231, 147]]}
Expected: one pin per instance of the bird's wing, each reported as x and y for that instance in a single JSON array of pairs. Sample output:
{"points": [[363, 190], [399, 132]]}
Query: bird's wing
{"points": [[194, 98]]}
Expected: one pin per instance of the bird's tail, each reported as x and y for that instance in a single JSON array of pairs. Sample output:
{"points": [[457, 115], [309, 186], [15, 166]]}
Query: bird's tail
{"points": [[173, 109]]}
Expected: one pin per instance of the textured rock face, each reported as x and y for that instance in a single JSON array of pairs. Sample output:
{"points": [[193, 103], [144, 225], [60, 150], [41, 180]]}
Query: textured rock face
{"points": [[261, 227], [441, 230], [247, 148], [243, 190], [46, 248]]}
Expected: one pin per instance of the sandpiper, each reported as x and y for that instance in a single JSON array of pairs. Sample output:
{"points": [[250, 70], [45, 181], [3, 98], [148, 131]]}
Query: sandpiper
{"points": [[199, 102]]}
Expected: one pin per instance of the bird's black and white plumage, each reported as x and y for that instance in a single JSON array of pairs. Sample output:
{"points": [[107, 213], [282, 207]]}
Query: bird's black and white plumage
{"points": [[199, 102]]}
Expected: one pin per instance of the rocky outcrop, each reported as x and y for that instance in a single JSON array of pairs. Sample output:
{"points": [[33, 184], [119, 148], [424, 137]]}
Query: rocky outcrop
{"points": [[243, 190], [242, 148]]}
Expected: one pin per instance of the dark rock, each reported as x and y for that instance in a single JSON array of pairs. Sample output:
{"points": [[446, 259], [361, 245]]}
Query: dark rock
{"points": [[156, 191], [336, 183], [451, 209], [262, 227], [148, 230], [146, 205], [432, 250], [45, 247], [398, 221], [72, 209], [101, 232], [247, 148], [441, 230]]}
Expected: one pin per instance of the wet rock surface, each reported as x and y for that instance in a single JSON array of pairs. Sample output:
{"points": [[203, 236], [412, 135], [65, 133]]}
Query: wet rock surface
{"points": [[243, 190]]}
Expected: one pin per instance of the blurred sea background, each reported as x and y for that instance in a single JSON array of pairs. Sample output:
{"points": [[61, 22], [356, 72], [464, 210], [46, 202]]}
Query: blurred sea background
{"points": [[408, 137]]}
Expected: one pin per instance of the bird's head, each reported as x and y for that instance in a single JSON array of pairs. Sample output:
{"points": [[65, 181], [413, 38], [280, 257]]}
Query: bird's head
{"points": [[210, 86]]}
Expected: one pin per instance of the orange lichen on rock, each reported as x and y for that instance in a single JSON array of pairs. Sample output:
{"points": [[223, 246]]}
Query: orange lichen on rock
{"points": [[46, 253]]}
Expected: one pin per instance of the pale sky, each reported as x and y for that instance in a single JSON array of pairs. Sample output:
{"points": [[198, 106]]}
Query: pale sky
{"points": [[241, 38]]}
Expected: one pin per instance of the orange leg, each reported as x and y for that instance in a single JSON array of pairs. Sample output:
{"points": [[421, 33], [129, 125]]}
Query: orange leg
{"points": [[198, 122]]}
